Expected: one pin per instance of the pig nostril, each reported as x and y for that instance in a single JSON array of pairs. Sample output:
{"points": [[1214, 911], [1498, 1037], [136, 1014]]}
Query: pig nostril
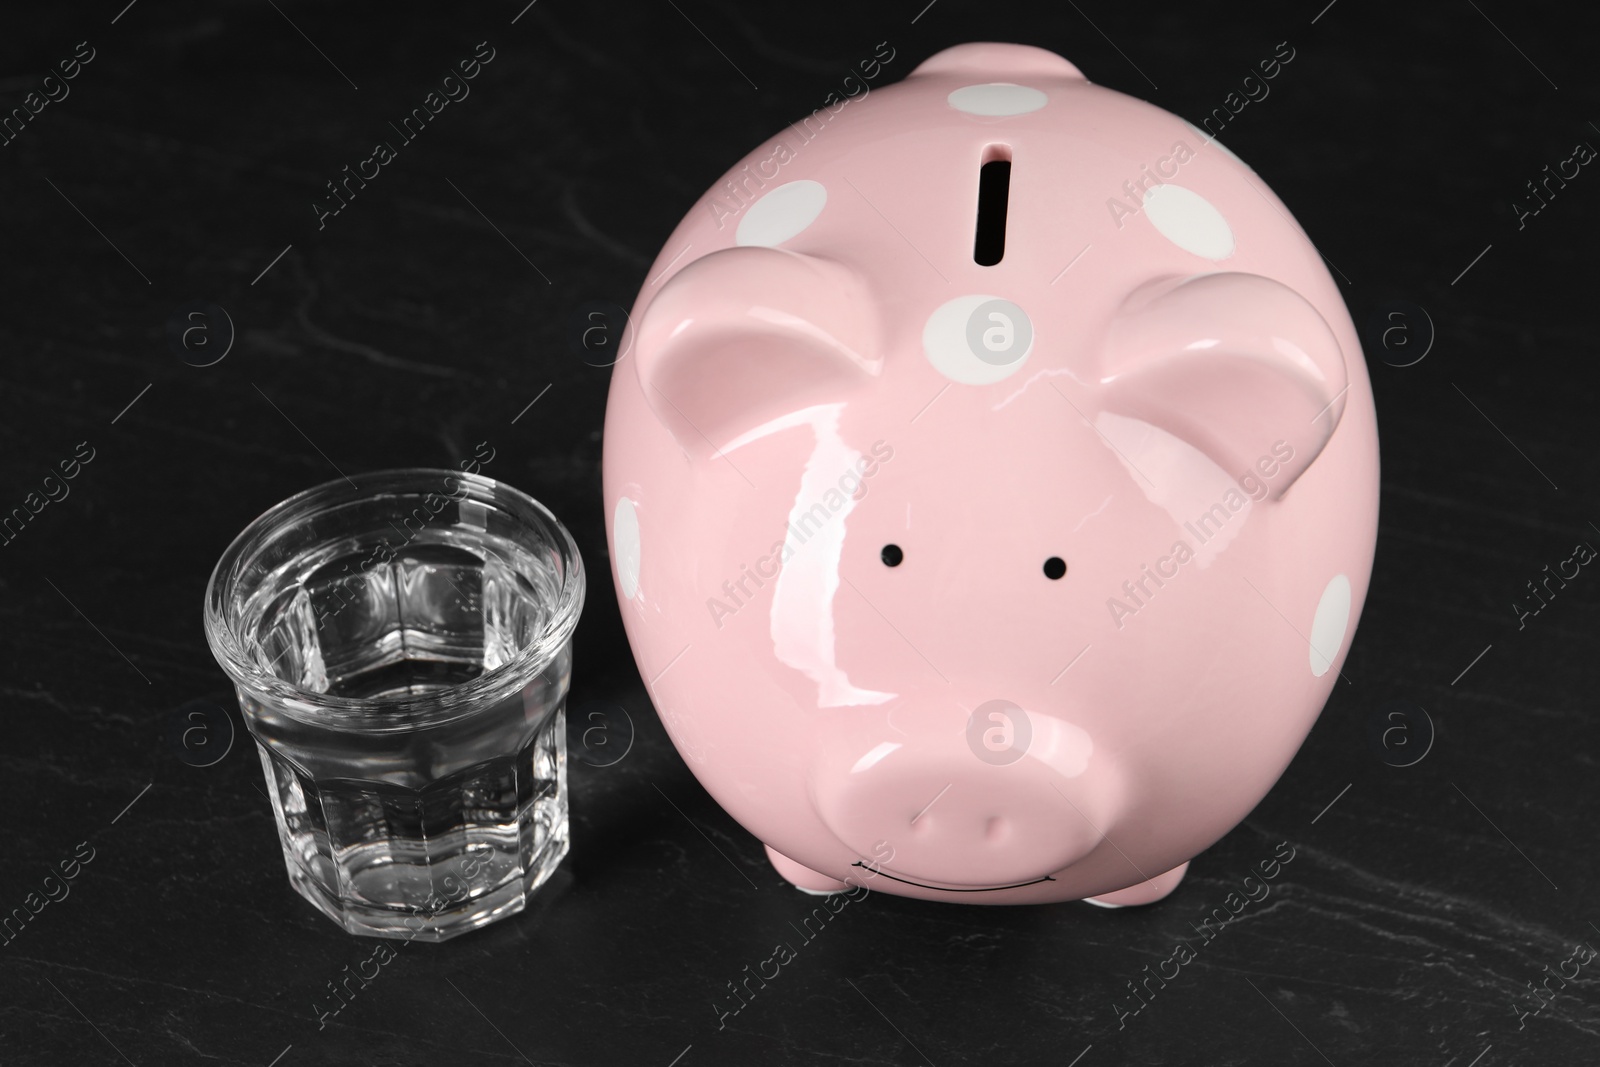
{"points": [[994, 829]]}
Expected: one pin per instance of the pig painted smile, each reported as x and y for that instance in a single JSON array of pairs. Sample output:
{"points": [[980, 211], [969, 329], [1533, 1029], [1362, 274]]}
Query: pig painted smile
{"points": [[882, 872], [924, 493]]}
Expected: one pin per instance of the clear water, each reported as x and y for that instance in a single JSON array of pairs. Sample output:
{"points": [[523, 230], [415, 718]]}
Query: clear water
{"points": [[423, 831]]}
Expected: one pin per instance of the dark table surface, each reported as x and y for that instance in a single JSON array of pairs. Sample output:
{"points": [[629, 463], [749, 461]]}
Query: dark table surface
{"points": [[1424, 901]]}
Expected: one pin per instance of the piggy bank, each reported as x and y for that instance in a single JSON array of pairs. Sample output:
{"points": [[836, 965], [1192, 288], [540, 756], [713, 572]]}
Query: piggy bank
{"points": [[991, 479]]}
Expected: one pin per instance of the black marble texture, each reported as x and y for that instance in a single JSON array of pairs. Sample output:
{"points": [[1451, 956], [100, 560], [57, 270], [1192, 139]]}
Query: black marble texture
{"points": [[1423, 901]]}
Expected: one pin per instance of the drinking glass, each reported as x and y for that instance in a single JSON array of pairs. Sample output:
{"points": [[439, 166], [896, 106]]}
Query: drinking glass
{"points": [[402, 651]]}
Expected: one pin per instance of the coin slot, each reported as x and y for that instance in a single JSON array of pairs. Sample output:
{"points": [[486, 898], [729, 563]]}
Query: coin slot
{"points": [[994, 193]]}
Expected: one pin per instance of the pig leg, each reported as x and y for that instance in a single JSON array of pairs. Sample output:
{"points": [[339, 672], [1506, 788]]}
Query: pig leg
{"points": [[803, 878], [1143, 893]]}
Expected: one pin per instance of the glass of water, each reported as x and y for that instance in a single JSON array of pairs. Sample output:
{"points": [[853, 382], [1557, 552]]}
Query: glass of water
{"points": [[402, 651]]}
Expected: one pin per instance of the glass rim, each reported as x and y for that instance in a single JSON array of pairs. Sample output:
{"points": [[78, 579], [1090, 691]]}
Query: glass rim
{"points": [[366, 714]]}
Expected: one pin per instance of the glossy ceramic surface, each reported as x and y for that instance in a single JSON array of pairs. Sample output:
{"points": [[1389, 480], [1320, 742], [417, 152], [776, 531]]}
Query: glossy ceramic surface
{"points": [[994, 584]]}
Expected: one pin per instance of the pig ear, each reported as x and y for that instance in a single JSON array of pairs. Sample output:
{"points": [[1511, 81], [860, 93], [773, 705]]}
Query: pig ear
{"points": [[744, 336], [1235, 364]]}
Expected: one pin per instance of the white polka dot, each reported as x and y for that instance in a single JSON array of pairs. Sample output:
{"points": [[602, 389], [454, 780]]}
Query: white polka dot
{"points": [[959, 329], [625, 539], [996, 99], [782, 213], [1188, 220], [1207, 139], [1330, 625]]}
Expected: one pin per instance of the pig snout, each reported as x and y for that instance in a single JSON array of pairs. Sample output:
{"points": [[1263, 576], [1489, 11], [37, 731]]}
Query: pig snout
{"points": [[1005, 798]]}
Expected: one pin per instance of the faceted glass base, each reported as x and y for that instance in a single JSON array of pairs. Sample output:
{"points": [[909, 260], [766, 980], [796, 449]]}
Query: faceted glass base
{"points": [[442, 925], [426, 864]]}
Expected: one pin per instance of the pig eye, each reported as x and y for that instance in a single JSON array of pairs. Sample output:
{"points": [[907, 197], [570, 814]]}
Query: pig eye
{"points": [[1055, 567], [891, 555]]}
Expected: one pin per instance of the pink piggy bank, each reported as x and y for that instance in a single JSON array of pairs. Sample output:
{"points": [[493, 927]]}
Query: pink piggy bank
{"points": [[992, 485]]}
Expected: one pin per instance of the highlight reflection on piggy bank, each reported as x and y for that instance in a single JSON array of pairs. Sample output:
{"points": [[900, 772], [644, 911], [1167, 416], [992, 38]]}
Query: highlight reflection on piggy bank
{"points": [[992, 484]]}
